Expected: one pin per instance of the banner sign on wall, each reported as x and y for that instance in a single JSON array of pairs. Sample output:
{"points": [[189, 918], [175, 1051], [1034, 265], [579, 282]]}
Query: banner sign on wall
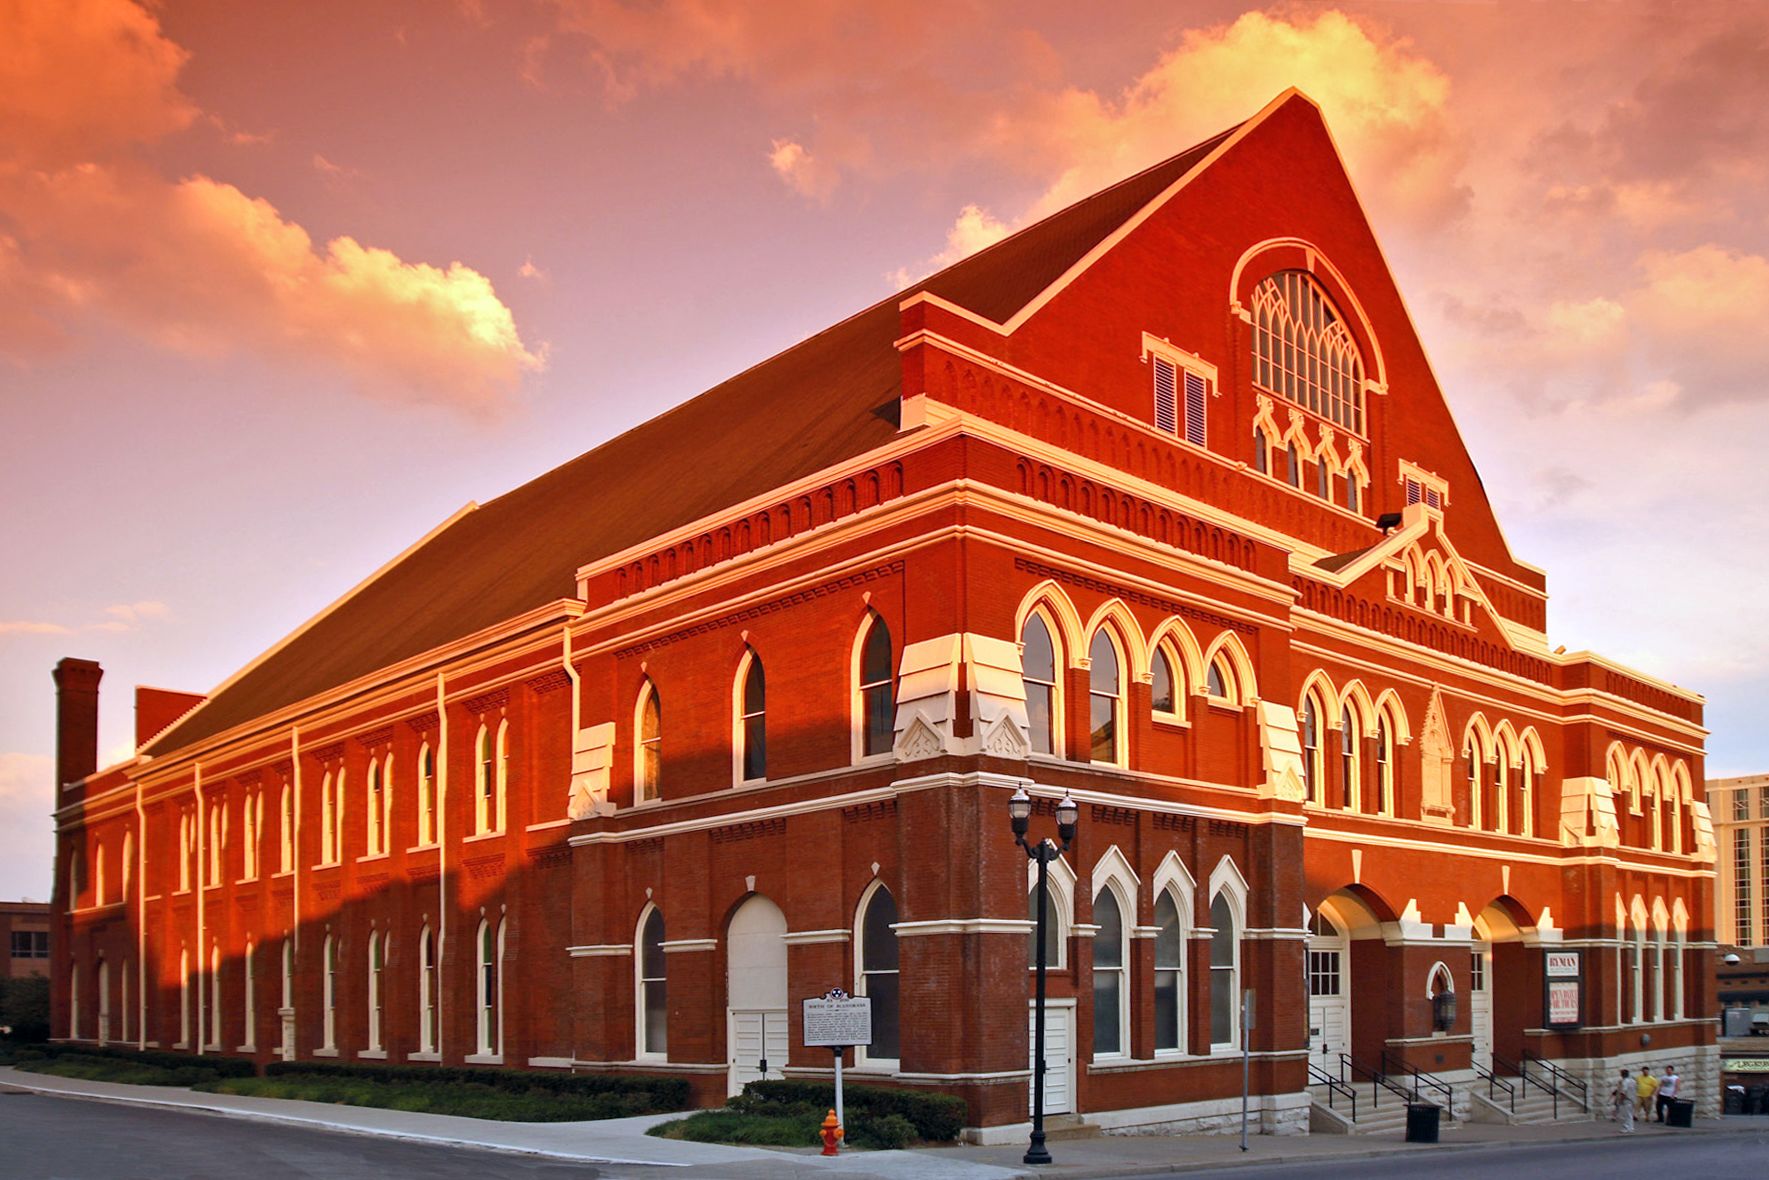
{"points": [[1564, 979]]}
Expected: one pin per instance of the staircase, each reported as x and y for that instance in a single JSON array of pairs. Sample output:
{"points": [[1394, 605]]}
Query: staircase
{"points": [[1335, 1118], [1358, 1100], [1529, 1091]]}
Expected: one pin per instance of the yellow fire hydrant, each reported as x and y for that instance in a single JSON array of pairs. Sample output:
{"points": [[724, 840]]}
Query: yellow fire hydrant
{"points": [[832, 1135]]}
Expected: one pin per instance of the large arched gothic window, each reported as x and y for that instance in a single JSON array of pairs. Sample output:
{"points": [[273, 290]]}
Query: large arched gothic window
{"points": [[429, 993], [1303, 352], [1225, 973], [491, 989], [1105, 699], [1348, 773], [1170, 992], [1311, 750], [874, 696], [1038, 665], [648, 767], [1384, 767], [1110, 1007], [878, 973]]}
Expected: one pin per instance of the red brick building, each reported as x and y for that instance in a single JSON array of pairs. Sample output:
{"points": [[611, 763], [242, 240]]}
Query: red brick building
{"points": [[1156, 503]]}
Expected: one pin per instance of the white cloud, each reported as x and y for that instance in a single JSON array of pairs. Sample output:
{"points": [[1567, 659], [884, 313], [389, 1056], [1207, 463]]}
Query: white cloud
{"points": [[27, 834]]}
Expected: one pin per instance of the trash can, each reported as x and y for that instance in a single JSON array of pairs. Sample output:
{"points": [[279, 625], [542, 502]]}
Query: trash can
{"points": [[1734, 1101], [1680, 1112], [1422, 1122]]}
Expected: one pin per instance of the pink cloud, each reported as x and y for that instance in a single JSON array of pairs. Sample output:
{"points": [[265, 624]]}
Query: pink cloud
{"points": [[197, 265]]}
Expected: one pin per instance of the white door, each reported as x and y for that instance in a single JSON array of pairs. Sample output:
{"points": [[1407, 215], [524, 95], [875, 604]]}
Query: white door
{"points": [[1480, 1004], [755, 991], [758, 1045], [1059, 1056], [1329, 995]]}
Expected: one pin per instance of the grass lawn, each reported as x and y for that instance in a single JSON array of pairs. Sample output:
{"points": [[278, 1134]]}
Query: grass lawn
{"points": [[467, 1099]]}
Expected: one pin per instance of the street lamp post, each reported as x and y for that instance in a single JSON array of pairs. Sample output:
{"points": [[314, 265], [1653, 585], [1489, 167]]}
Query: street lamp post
{"points": [[1019, 809]]}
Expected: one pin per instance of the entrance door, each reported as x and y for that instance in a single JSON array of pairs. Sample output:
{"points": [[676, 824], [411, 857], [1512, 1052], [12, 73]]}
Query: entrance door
{"points": [[1059, 1055], [1329, 994], [1480, 1004], [755, 991]]}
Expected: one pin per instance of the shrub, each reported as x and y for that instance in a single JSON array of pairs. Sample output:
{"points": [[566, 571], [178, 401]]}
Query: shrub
{"points": [[936, 1118], [466, 1099], [627, 1093], [210, 1066], [891, 1132], [731, 1126], [24, 1009]]}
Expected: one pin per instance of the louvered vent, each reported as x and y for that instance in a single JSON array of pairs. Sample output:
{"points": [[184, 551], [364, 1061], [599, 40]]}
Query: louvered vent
{"points": [[1194, 408], [1166, 396]]}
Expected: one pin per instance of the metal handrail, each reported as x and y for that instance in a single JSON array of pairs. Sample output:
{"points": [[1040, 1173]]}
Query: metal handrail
{"points": [[1562, 1078], [1521, 1070], [1334, 1086], [1495, 1083], [1389, 1061], [1379, 1080]]}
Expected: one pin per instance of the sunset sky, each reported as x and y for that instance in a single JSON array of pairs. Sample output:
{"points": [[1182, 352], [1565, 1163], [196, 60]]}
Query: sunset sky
{"points": [[285, 283]]}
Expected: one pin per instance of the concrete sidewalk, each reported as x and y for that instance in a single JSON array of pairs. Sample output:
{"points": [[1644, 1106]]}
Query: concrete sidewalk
{"points": [[623, 1144]]}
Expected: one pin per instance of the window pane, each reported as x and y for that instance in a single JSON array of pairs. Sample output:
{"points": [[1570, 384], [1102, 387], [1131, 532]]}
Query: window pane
{"points": [[1052, 941], [1216, 684], [1106, 1032], [879, 941], [1102, 659], [880, 719], [1222, 1001], [1038, 715], [1162, 691], [1108, 941], [1105, 728], [656, 1017], [1169, 944], [875, 658], [755, 748], [651, 944], [652, 725], [1166, 1009], [882, 988], [755, 689], [1039, 659], [1222, 943]]}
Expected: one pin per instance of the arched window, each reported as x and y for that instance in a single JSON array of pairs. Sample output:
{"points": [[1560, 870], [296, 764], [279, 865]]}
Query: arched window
{"points": [[491, 989], [252, 821], [1105, 700], [1292, 466], [185, 841], [1348, 774], [371, 800], [1261, 451], [1658, 973], [1219, 681], [1038, 665], [249, 999], [103, 988], [329, 995], [76, 876], [1323, 478], [874, 696], [288, 1004], [184, 1037], [1164, 691], [1472, 754], [493, 768], [428, 993], [128, 864], [327, 822], [878, 974], [1384, 766], [286, 832], [1225, 973], [1637, 970], [123, 1001], [377, 1005], [337, 851], [752, 720], [648, 770], [214, 844], [1677, 954], [1311, 749], [98, 875], [654, 1013], [214, 997], [426, 796], [1501, 804], [1170, 990], [1303, 352], [1110, 1009], [1526, 793]]}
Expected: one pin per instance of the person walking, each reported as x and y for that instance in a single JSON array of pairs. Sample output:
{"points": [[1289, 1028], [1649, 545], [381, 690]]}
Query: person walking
{"points": [[1667, 1090], [1645, 1086], [1622, 1098]]}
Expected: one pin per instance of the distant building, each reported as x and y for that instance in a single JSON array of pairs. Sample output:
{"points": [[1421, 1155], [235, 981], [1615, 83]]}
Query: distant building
{"points": [[1740, 807], [1156, 503], [24, 930]]}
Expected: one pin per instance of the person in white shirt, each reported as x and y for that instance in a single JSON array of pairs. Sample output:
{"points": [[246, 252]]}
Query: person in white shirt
{"points": [[1667, 1090], [1622, 1097]]}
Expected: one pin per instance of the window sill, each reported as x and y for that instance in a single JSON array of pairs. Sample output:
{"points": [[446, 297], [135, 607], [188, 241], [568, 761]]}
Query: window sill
{"points": [[247, 881], [372, 1054], [246, 1049], [325, 864], [886, 758], [372, 856], [482, 836], [325, 1052], [484, 1059], [284, 873], [1171, 720], [430, 847], [423, 1057]]}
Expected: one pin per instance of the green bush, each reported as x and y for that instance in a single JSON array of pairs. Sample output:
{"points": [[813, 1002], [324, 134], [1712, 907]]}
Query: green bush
{"points": [[215, 1066], [644, 1094], [732, 1126], [24, 1009], [936, 1118], [889, 1133], [96, 1068], [466, 1099]]}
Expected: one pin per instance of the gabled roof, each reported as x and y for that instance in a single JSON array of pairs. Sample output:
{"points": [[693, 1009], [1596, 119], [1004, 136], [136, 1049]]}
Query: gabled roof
{"points": [[829, 398]]}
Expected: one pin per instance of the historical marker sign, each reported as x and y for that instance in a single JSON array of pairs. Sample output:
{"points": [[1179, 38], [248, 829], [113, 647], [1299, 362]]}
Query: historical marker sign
{"points": [[837, 1019]]}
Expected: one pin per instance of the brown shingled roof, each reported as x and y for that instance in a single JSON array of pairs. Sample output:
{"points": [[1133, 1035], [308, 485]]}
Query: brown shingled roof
{"points": [[837, 391]]}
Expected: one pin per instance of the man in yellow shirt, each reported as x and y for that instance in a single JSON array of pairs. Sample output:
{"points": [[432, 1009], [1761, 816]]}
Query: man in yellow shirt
{"points": [[1645, 1086]]}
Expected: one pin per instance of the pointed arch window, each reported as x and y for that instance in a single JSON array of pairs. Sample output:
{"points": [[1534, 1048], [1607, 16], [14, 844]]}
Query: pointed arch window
{"points": [[1219, 681], [875, 694], [1323, 478], [648, 772], [249, 997], [1473, 756], [103, 989], [429, 993], [328, 823], [1109, 992], [426, 796], [1038, 665], [1501, 804], [752, 719], [329, 995], [337, 850], [288, 1004], [1384, 766], [1261, 451], [878, 972], [377, 833], [1164, 683], [1311, 750], [491, 989], [213, 997], [1105, 696], [1225, 973], [1170, 990], [1348, 774], [184, 1038], [653, 988], [1351, 491], [1303, 352], [1292, 466], [215, 841], [285, 852], [376, 989], [98, 875]]}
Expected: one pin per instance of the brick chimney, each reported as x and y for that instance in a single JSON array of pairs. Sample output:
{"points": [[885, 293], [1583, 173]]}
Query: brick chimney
{"points": [[76, 719]]}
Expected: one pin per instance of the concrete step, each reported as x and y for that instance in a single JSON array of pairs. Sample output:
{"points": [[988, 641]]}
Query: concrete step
{"points": [[1530, 1106], [1069, 1126], [1386, 1114]]}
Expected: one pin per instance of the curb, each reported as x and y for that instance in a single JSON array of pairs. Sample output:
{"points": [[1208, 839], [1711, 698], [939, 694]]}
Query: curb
{"points": [[297, 1120]]}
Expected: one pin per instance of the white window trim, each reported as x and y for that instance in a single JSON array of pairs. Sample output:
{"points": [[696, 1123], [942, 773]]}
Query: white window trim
{"points": [[862, 1057], [647, 690], [1059, 658], [856, 696], [738, 741], [1183, 362], [1061, 881], [640, 1052], [1120, 731], [1173, 878], [1113, 884], [1226, 880]]}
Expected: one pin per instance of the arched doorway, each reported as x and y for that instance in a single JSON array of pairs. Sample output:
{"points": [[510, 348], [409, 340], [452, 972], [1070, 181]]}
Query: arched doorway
{"points": [[1348, 955], [1500, 985], [755, 992]]}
